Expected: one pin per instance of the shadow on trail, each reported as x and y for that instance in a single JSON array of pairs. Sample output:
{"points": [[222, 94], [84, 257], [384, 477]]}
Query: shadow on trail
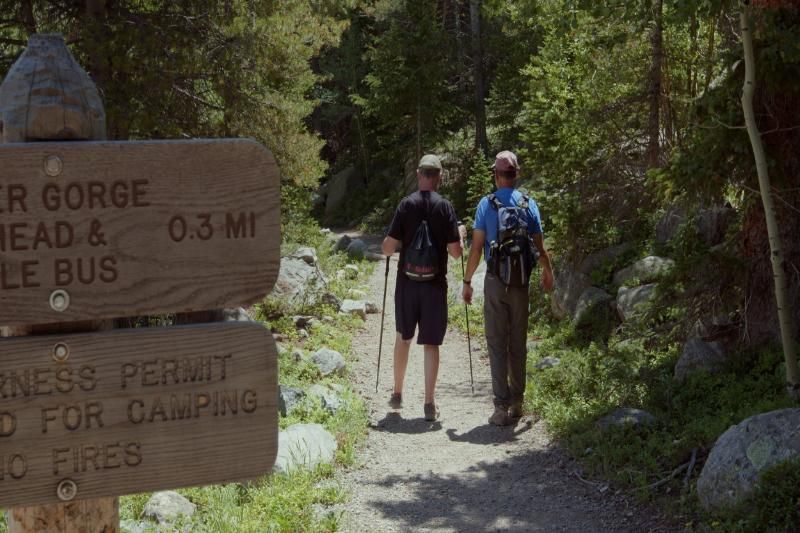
{"points": [[489, 434], [526, 492], [395, 423]]}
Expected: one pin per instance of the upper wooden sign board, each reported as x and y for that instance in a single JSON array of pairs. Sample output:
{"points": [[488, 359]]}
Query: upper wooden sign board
{"points": [[97, 230], [103, 414]]}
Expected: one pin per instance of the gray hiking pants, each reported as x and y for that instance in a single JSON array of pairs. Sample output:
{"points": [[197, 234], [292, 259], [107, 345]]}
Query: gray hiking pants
{"points": [[505, 312]]}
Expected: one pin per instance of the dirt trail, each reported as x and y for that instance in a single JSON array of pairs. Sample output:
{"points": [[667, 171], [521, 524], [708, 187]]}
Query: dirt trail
{"points": [[460, 473]]}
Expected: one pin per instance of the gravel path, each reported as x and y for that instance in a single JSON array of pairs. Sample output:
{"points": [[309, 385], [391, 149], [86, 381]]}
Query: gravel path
{"points": [[460, 473]]}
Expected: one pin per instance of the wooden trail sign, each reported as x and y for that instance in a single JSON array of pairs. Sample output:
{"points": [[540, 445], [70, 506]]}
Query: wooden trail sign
{"points": [[102, 414], [96, 230]]}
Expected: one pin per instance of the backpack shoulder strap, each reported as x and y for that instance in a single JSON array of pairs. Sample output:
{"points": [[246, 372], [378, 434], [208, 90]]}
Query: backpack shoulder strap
{"points": [[494, 202], [524, 202]]}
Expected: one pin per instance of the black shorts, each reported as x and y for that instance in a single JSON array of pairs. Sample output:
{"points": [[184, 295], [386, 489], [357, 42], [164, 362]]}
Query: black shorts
{"points": [[423, 303]]}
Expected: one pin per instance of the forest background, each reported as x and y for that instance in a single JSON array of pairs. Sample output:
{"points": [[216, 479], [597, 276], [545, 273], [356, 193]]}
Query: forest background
{"points": [[622, 113]]}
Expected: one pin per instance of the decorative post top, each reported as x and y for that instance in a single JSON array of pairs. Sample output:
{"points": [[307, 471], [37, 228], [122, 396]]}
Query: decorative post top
{"points": [[47, 96]]}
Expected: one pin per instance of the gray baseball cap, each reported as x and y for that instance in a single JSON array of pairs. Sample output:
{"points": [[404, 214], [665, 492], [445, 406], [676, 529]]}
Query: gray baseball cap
{"points": [[430, 161]]}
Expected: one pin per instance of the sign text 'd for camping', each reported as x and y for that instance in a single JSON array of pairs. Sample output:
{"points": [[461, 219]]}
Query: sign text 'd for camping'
{"points": [[107, 229], [98, 414]]}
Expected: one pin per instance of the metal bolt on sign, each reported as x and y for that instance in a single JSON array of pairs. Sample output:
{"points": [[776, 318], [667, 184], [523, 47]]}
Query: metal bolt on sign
{"points": [[53, 165], [67, 490], [60, 352], [59, 300]]}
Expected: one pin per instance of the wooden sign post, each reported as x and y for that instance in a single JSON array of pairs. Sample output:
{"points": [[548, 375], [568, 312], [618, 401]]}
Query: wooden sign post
{"points": [[96, 230]]}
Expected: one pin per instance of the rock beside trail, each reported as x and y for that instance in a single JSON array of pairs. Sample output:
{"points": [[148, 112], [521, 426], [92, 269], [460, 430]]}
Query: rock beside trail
{"points": [[342, 244], [328, 398], [629, 299], [547, 362], [288, 399], [328, 361], [304, 445], [167, 506], [645, 270], [298, 282], [237, 314], [603, 258], [625, 416], [743, 452], [354, 307], [356, 249], [569, 285], [700, 356], [592, 304], [307, 254]]}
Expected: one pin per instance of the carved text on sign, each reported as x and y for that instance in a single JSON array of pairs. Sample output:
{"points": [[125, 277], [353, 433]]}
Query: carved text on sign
{"points": [[135, 228], [210, 391]]}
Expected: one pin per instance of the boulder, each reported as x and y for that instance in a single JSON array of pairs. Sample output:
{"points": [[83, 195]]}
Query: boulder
{"points": [[304, 446], [328, 361], [592, 304], [328, 398], [331, 299], [342, 244], [700, 356], [307, 254], [547, 362], [298, 282], [357, 249], [356, 294], [667, 228], [288, 399], [602, 258], [569, 285], [733, 467], [167, 506], [645, 270], [625, 416], [351, 271], [354, 307], [713, 223], [631, 298], [137, 526], [713, 327], [374, 253], [339, 188], [236, 315]]}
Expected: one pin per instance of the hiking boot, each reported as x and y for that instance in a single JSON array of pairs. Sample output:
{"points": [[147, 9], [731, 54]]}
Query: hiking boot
{"points": [[515, 411], [500, 417], [396, 400], [431, 412]]}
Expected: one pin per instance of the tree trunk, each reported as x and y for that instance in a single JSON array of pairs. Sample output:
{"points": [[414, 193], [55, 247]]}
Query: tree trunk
{"points": [[477, 66], [654, 90], [28, 19], [776, 251]]}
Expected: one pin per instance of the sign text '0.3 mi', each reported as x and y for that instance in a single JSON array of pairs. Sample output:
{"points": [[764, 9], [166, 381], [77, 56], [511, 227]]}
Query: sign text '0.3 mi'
{"points": [[99, 230]]}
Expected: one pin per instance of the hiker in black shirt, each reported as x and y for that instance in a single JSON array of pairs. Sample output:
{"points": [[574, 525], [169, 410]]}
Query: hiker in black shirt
{"points": [[422, 302]]}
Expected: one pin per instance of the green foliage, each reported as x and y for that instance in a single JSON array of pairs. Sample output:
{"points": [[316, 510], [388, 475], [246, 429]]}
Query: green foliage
{"points": [[480, 182], [777, 499]]}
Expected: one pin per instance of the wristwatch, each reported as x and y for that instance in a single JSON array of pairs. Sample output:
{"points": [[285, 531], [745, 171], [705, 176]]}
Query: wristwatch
{"points": [[467, 282]]}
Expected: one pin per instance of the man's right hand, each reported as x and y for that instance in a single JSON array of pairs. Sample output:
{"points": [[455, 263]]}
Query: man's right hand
{"points": [[466, 293]]}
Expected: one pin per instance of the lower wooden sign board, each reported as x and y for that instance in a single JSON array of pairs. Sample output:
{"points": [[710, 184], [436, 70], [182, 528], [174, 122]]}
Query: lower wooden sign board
{"points": [[104, 414], [95, 230]]}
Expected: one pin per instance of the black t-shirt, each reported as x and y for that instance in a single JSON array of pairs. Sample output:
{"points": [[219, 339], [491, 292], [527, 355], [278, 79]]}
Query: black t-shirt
{"points": [[442, 222]]}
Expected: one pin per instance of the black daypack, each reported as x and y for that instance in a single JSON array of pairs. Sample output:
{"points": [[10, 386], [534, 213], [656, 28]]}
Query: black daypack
{"points": [[512, 255], [421, 258]]}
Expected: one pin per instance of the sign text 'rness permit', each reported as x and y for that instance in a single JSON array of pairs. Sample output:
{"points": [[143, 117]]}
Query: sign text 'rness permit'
{"points": [[104, 414]]}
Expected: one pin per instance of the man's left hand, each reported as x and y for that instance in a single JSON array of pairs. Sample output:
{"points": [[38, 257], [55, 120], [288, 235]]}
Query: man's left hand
{"points": [[547, 280]]}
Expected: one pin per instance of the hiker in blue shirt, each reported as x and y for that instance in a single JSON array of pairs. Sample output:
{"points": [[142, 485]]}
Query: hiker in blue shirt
{"points": [[508, 232]]}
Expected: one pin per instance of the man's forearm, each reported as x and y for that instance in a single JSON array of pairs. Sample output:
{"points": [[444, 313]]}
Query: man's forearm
{"points": [[474, 259]]}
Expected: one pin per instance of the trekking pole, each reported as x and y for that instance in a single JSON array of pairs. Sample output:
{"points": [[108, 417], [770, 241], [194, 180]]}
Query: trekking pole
{"points": [[469, 343], [383, 313]]}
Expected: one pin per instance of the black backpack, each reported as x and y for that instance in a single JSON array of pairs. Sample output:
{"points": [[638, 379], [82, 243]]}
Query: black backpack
{"points": [[421, 258], [512, 257]]}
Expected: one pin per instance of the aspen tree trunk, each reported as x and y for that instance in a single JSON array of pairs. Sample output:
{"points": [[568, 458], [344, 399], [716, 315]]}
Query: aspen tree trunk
{"points": [[654, 90], [776, 249]]}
